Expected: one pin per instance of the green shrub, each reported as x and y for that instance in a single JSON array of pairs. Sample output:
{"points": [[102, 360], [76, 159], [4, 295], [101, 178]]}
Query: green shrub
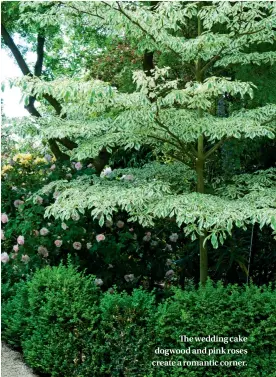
{"points": [[222, 311], [66, 327], [126, 333], [61, 311], [15, 313]]}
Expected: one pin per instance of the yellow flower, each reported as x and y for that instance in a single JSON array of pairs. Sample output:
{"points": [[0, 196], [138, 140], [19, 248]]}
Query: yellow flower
{"points": [[28, 156], [23, 158], [6, 168], [39, 160], [16, 157]]}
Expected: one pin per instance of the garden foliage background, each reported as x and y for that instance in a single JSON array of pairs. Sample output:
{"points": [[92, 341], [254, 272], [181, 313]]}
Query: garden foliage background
{"points": [[147, 165]]}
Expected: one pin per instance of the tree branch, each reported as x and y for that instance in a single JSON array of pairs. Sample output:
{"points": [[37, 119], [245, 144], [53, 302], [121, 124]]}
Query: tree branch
{"points": [[121, 10], [181, 160], [38, 70], [209, 63], [269, 121], [171, 154], [250, 32], [26, 72], [23, 66], [180, 143], [40, 55], [16, 53], [82, 11], [56, 151], [148, 62], [68, 143], [217, 56], [103, 157], [215, 147]]}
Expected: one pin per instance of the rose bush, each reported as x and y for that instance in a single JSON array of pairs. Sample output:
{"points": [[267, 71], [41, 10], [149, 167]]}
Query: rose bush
{"points": [[111, 252]]}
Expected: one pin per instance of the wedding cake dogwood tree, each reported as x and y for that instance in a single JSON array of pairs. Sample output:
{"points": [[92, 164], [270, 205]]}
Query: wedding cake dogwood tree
{"points": [[174, 119]]}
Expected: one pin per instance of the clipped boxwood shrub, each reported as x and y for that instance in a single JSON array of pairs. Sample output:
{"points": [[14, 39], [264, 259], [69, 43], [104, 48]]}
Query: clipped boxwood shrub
{"points": [[67, 327], [61, 311], [15, 315], [126, 333], [223, 311]]}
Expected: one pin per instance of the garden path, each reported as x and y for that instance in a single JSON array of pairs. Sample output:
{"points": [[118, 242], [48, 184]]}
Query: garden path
{"points": [[12, 364]]}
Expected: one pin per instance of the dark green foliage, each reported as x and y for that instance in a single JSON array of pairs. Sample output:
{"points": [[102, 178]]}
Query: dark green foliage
{"points": [[14, 312], [126, 334], [262, 76], [223, 311], [52, 321], [67, 328]]}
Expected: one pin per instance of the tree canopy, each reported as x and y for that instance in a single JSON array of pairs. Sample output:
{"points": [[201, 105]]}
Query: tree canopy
{"points": [[183, 90]]}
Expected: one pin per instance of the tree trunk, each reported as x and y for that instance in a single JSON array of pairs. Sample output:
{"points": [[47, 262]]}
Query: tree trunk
{"points": [[200, 188], [203, 260], [203, 256]]}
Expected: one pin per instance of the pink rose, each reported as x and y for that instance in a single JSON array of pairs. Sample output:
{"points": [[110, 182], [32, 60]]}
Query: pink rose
{"points": [[173, 237], [98, 282], [44, 231], [75, 217], [17, 203], [4, 258], [20, 240], [131, 230], [78, 166], [25, 258], [39, 199], [2, 235], [100, 237], [53, 167], [129, 277], [168, 247], [120, 224], [15, 248], [77, 245], [58, 243], [43, 251], [4, 218], [107, 172], [147, 237], [64, 226], [169, 274]]}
